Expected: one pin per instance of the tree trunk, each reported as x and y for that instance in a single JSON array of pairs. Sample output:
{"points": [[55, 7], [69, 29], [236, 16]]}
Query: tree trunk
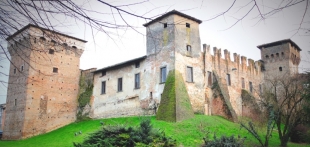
{"points": [[284, 140]]}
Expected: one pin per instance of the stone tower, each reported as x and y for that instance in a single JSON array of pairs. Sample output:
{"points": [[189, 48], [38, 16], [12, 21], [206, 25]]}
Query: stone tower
{"points": [[173, 43], [43, 82], [280, 58]]}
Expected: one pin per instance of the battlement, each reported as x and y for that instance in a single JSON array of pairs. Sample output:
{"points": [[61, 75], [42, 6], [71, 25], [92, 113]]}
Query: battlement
{"points": [[239, 63]]}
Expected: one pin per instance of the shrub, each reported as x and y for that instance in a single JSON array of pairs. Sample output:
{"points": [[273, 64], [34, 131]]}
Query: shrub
{"points": [[301, 134], [119, 135], [223, 141]]}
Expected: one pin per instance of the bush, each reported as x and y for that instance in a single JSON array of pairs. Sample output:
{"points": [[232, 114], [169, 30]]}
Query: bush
{"points": [[120, 135], [223, 141], [301, 134]]}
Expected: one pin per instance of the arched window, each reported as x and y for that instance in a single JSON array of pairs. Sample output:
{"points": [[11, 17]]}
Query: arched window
{"points": [[267, 56], [280, 68], [272, 56], [277, 54]]}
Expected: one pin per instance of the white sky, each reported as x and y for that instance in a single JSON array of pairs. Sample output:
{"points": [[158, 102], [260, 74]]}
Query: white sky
{"points": [[242, 38]]}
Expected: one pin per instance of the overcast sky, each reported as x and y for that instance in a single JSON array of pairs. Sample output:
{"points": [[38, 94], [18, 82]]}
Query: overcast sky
{"points": [[242, 38]]}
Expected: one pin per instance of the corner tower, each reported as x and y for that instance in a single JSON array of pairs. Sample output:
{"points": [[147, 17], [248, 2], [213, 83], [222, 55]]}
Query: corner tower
{"points": [[43, 82], [280, 58]]}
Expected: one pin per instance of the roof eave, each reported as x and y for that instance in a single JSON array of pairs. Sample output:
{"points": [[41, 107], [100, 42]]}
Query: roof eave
{"points": [[171, 13], [31, 25]]}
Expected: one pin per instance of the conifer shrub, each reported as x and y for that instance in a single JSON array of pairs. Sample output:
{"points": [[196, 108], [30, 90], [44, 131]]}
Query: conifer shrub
{"points": [[223, 141], [120, 135]]}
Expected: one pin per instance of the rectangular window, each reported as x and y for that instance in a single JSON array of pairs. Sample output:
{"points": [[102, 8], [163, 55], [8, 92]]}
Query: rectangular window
{"points": [[228, 79], [103, 87], [22, 68], [189, 74], [15, 102], [137, 81], [137, 64], [209, 78], [14, 70], [163, 74], [213, 78], [55, 70], [120, 84], [251, 86], [103, 73], [188, 25], [242, 82]]}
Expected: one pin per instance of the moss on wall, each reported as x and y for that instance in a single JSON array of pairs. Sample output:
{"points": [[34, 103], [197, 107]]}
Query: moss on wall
{"points": [[86, 91], [183, 105], [221, 90], [166, 110], [175, 104], [249, 100]]}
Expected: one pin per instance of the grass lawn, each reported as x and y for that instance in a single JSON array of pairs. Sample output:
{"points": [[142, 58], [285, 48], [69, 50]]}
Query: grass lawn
{"points": [[187, 133]]}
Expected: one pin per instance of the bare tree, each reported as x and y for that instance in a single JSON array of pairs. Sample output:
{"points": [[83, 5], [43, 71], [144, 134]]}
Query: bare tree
{"points": [[288, 98], [263, 11], [52, 14]]}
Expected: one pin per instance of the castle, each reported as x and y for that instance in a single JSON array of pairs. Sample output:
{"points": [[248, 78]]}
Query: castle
{"points": [[47, 97]]}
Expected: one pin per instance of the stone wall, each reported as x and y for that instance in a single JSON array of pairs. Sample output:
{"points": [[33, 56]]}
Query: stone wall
{"points": [[127, 102], [239, 68]]}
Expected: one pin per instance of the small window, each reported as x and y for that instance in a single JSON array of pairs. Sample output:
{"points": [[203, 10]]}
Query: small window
{"points": [[251, 86], [15, 102], [42, 38], [22, 68], [209, 78], [137, 64], [282, 54], [277, 54], [165, 25], [137, 81], [272, 56], [260, 89], [120, 84], [228, 79], [163, 74], [189, 74], [51, 51], [14, 71], [103, 87], [267, 56], [55, 70], [74, 47], [189, 49], [188, 25], [243, 83], [280, 68], [103, 73]]}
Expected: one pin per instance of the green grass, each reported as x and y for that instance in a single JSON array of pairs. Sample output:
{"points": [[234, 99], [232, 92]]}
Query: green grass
{"points": [[187, 133]]}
